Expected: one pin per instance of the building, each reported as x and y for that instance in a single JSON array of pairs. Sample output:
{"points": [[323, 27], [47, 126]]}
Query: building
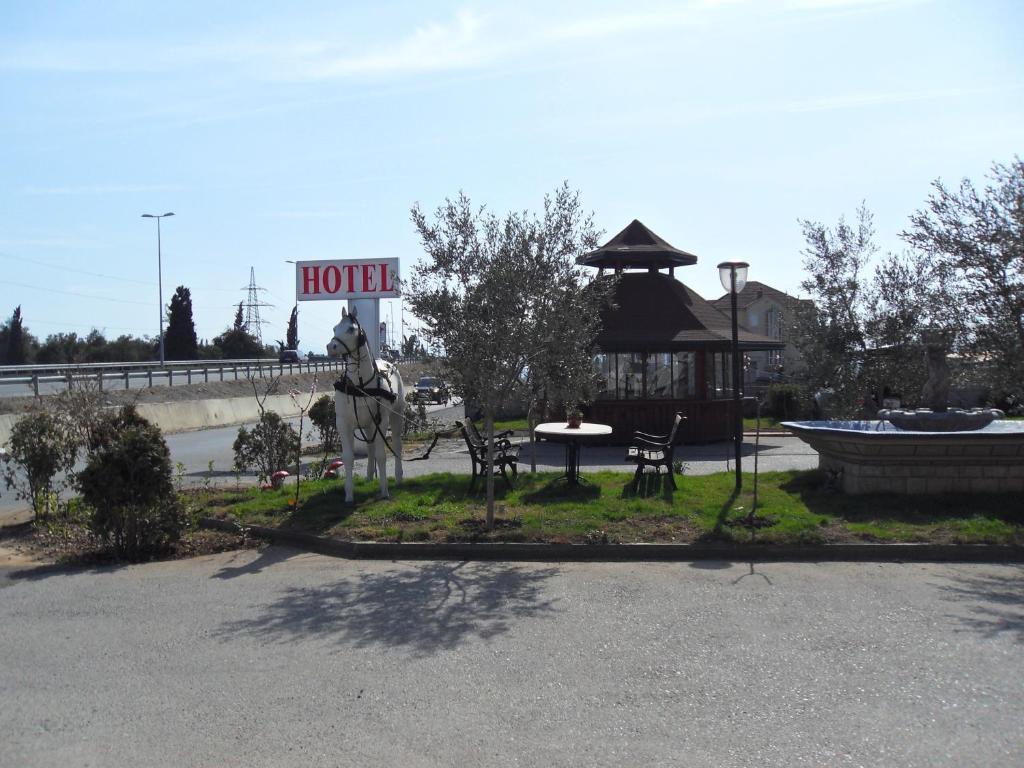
{"points": [[662, 348], [767, 311]]}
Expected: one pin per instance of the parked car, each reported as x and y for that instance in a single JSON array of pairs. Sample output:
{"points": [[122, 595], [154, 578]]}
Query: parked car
{"points": [[431, 389], [289, 355]]}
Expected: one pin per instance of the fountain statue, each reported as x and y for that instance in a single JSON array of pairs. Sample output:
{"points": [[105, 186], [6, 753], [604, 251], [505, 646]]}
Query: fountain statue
{"points": [[938, 416]]}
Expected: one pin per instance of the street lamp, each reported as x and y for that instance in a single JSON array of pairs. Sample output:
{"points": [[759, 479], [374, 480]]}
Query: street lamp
{"points": [[160, 275], [733, 275]]}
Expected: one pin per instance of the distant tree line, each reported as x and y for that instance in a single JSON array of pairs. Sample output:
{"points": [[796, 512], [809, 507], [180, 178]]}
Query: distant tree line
{"points": [[18, 346]]}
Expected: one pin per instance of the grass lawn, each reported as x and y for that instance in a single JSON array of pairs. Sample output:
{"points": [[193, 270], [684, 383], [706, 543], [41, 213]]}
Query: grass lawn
{"points": [[768, 424], [793, 508]]}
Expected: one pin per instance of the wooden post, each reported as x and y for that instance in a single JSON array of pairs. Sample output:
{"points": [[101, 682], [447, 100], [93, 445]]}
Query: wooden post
{"points": [[149, 373], [35, 384], [126, 385]]}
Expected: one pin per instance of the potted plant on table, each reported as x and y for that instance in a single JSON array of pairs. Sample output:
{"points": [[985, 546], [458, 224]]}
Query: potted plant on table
{"points": [[573, 416]]}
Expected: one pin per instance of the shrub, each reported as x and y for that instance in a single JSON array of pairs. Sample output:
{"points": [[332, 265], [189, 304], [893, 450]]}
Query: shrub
{"points": [[105, 429], [268, 447], [39, 449], [784, 401], [324, 418], [127, 482]]}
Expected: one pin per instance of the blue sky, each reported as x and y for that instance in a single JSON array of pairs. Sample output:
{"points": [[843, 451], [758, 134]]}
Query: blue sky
{"points": [[282, 131]]}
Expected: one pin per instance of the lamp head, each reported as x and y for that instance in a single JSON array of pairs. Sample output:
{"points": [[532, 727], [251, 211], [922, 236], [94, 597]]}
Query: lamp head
{"points": [[726, 272]]}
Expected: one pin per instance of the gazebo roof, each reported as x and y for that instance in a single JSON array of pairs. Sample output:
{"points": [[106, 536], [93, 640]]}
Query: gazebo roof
{"points": [[655, 312], [636, 247]]}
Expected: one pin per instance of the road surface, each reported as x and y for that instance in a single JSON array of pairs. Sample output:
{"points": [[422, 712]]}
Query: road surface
{"points": [[287, 659]]}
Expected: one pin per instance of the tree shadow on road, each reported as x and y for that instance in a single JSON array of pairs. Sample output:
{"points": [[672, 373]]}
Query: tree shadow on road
{"points": [[267, 557], [997, 603], [422, 609]]}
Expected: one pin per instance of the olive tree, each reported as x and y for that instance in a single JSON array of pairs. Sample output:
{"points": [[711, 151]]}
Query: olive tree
{"points": [[975, 239], [502, 296]]}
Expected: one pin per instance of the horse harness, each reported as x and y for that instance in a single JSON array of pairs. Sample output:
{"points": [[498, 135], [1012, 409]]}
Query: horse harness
{"points": [[346, 386]]}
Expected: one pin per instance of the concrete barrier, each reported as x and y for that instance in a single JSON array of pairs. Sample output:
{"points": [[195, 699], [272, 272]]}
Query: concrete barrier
{"points": [[187, 415]]}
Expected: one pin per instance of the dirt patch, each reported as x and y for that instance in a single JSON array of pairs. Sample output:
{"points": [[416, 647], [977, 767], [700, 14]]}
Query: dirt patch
{"points": [[74, 544]]}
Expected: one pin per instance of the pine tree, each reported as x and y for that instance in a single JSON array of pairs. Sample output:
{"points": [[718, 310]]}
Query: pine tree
{"points": [[239, 320], [292, 335], [181, 342], [15, 352]]}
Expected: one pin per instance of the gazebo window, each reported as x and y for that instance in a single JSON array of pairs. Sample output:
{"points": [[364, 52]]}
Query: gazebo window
{"points": [[684, 369], [645, 375], [631, 376], [659, 375], [719, 375], [604, 367]]}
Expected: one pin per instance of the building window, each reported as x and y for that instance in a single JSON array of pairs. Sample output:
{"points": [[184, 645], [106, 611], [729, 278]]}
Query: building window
{"points": [[774, 328]]}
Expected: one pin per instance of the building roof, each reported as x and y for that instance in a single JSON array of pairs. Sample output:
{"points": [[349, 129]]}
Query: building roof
{"points": [[636, 247], [754, 291], [655, 312]]}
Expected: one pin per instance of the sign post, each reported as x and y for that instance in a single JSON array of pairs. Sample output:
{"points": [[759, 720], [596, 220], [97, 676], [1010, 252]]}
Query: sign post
{"points": [[362, 282]]}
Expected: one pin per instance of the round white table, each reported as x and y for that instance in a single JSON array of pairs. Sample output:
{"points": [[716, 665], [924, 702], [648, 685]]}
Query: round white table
{"points": [[573, 437]]}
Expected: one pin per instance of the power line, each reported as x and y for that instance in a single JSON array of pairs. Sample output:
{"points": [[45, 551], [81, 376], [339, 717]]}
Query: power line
{"points": [[73, 269], [101, 298], [73, 293]]}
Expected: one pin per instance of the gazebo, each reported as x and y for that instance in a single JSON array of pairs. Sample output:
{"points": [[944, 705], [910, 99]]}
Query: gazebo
{"points": [[662, 348]]}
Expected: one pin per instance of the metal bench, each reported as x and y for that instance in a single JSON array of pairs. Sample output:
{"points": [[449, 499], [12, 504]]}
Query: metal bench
{"points": [[506, 455], [655, 451]]}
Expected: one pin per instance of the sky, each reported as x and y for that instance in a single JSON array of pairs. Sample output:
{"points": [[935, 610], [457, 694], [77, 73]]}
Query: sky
{"points": [[298, 131]]}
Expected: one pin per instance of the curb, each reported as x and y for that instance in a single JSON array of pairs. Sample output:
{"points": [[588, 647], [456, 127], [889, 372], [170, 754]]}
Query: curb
{"points": [[513, 552]]}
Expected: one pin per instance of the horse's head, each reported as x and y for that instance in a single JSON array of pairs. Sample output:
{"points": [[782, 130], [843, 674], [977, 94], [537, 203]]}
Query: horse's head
{"points": [[348, 336]]}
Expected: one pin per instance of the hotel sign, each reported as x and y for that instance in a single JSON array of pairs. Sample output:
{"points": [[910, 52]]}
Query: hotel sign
{"points": [[346, 279]]}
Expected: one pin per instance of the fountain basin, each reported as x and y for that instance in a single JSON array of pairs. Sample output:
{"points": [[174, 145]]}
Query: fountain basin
{"points": [[951, 420], [878, 457]]}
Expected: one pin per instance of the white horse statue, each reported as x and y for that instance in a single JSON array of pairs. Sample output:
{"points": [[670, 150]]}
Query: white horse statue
{"points": [[370, 401]]}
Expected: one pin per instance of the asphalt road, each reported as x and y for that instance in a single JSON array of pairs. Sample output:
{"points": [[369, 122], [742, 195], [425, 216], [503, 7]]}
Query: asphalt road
{"points": [[289, 659]]}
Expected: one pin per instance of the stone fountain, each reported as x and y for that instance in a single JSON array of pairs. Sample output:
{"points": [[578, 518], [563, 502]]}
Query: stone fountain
{"points": [[928, 450]]}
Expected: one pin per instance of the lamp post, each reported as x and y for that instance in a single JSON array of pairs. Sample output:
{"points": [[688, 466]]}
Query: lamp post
{"points": [[160, 275], [733, 275]]}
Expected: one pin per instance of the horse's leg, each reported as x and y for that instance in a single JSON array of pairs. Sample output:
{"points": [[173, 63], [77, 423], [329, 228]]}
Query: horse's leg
{"points": [[371, 461], [380, 449], [346, 433], [396, 443], [371, 454]]}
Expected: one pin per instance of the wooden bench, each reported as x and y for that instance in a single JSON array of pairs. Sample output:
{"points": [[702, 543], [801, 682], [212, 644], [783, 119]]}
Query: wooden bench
{"points": [[654, 451], [506, 455]]}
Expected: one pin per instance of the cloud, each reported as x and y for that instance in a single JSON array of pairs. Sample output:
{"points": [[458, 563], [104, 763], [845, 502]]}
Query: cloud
{"points": [[102, 189], [467, 41], [859, 100]]}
